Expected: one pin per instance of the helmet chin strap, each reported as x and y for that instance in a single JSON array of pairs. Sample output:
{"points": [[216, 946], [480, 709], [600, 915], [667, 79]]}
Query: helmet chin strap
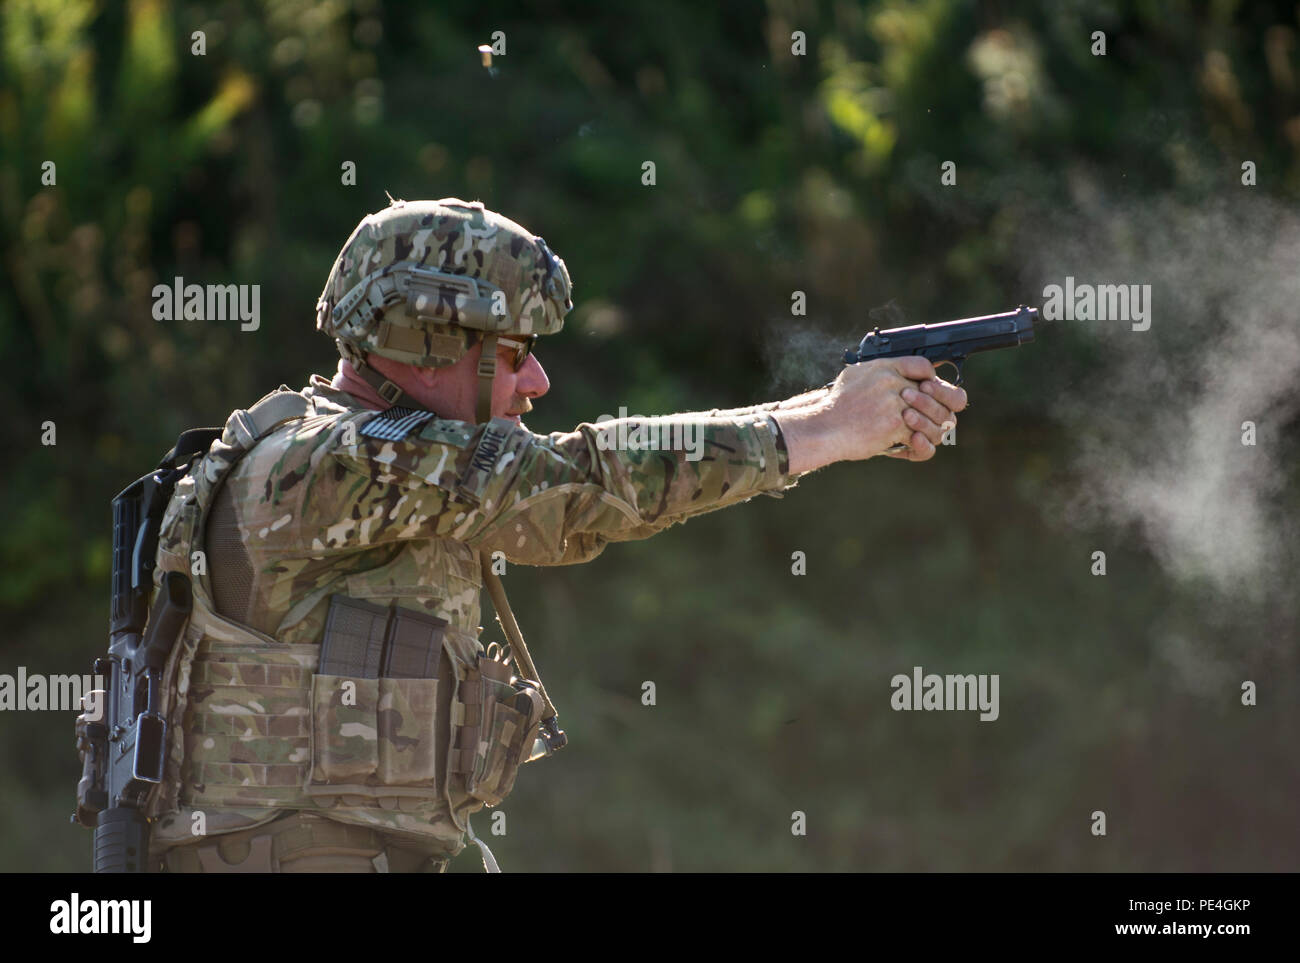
{"points": [[393, 393], [487, 369], [390, 391]]}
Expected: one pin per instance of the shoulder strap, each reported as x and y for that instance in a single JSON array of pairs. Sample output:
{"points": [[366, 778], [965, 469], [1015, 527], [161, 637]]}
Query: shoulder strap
{"points": [[279, 406]]}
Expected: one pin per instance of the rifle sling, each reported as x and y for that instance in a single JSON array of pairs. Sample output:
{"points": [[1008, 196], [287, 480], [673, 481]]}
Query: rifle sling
{"points": [[506, 617]]}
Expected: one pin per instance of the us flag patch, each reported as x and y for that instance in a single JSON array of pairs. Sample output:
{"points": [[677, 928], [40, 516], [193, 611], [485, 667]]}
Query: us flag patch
{"points": [[395, 423]]}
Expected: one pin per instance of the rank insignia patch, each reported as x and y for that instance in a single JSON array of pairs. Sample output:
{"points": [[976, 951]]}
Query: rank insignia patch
{"points": [[395, 423]]}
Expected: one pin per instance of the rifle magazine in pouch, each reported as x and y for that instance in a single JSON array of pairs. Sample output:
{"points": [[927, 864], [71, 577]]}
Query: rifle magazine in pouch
{"points": [[409, 731], [375, 700], [345, 737]]}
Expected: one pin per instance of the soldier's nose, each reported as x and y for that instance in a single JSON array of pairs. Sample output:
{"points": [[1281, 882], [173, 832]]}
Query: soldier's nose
{"points": [[532, 381]]}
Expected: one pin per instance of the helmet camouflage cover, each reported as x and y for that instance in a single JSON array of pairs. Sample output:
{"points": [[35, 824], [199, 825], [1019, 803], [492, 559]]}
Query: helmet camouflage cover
{"points": [[415, 279]]}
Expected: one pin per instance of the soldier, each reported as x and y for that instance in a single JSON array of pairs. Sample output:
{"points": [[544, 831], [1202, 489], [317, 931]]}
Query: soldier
{"points": [[332, 708]]}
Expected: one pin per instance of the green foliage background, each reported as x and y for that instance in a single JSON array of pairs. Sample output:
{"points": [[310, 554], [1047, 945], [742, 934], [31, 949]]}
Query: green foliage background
{"points": [[775, 173]]}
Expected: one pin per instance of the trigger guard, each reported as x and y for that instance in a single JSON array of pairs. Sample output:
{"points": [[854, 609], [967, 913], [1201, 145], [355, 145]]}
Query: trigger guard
{"points": [[956, 366]]}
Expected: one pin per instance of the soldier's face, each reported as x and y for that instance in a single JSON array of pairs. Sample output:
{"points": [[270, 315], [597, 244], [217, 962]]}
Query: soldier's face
{"points": [[512, 390], [452, 392]]}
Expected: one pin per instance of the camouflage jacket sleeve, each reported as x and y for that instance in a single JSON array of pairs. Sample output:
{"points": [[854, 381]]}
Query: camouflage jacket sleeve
{"points": [[560, 498]]}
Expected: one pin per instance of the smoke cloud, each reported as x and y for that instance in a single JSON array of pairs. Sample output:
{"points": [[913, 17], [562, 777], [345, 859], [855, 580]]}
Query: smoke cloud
{"points": [[1158, 437], [1155, 435]]}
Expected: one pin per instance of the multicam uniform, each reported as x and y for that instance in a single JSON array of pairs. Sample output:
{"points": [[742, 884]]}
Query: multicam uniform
{"points": [[331, 667], [390, 509]]}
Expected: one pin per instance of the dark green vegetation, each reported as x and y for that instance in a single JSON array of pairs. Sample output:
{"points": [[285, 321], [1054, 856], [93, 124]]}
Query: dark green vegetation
{"points": [[775, 173]]}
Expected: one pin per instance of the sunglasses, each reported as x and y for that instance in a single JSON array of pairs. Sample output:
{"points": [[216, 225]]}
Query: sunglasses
{"points": [[522, 348]]}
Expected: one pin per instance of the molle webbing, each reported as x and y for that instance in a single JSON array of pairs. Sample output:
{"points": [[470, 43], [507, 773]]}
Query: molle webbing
{"points": [[267, 729]]}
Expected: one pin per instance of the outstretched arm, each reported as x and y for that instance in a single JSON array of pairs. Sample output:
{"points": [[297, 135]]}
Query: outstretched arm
{"points": [[559, 499]]}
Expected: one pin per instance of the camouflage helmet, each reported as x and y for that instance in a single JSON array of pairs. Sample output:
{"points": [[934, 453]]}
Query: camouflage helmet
{"points": [[420, 281]]}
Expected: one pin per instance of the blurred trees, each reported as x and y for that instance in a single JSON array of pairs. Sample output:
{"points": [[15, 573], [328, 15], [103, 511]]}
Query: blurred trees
{"points": [[776, 172]]}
